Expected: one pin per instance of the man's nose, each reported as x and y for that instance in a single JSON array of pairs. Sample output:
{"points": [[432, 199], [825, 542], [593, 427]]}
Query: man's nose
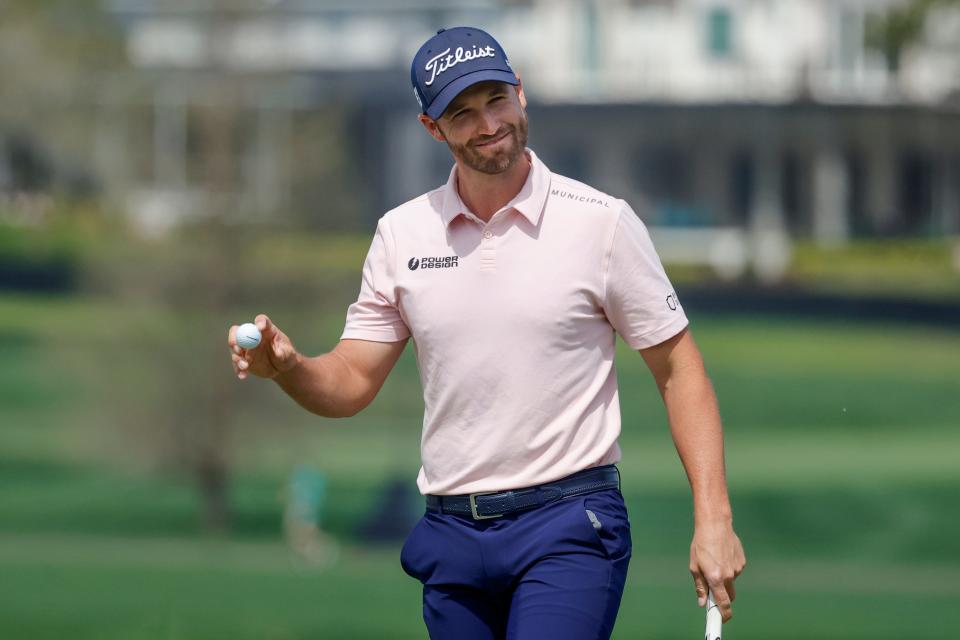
{"points": [[489, 125]]}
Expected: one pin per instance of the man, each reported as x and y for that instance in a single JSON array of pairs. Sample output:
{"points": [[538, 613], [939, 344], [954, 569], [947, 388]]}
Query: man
{"points": [[513, 282]]}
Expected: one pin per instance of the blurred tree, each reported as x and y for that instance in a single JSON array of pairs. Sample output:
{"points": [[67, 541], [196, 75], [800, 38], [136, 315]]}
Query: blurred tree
{"points": [[28, 168], [198, 279], [899, 28], [168, 390], [220, 124], [54, 57], [52, 54], [196, 428], [162, 384]]}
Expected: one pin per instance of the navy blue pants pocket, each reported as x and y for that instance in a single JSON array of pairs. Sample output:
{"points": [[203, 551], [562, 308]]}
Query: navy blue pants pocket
{"points": [[411, 555], [606, 514]]}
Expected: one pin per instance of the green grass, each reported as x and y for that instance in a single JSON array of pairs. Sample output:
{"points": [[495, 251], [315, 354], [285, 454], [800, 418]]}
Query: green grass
{"points": [[841, 451], [102, 587], [105, 587]]}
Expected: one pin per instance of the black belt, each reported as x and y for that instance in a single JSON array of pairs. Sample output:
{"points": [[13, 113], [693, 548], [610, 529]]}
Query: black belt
{"points": [[499, 503]]}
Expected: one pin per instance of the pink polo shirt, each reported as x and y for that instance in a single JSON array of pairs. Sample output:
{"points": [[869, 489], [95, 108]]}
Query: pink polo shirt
{"points": [[514, 324]]}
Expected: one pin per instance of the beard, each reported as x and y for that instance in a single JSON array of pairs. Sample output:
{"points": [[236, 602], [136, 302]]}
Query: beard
{"points": [[497, 161]]}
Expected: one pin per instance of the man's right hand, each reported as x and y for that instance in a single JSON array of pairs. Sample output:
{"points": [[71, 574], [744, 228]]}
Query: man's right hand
{"points": [[274, 355]]}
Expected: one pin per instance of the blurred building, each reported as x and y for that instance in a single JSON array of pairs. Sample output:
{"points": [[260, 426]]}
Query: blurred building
{"points": [[768, 114]]}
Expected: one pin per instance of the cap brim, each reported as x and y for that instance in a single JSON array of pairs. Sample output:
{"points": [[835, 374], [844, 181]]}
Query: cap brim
{"points": [[452, 90]]}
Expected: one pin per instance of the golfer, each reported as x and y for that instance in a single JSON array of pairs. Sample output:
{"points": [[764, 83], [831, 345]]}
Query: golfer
{"points": [[513, 282]]}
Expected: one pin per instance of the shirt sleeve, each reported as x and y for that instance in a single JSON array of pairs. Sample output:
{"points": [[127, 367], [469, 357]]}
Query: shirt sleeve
{"points": [[375, 316], [639, 300]]}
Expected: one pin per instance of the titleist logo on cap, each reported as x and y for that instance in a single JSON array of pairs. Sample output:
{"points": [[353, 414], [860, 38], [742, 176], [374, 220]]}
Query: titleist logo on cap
{"points": [[440, 63]]}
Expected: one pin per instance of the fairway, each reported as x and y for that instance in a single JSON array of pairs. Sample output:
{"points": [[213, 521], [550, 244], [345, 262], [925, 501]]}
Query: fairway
{"points": [[104, 587], [841, 448]]}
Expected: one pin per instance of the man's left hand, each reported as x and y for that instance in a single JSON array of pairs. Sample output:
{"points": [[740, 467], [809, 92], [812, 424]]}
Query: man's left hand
{"points": [[716, 559]]}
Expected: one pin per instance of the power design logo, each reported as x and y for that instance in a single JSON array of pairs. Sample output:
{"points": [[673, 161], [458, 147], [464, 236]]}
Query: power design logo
{"points": [[439, 262]]}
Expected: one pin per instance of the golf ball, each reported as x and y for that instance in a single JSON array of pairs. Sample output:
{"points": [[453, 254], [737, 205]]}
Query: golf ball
{"points": [[248, 336]]}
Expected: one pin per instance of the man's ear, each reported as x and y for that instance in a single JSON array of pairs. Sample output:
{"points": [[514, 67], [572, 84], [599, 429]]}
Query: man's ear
{"points": [[519, 87], [432, 127]]}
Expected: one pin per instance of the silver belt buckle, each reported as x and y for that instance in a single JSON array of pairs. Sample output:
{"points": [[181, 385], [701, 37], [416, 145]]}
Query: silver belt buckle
{"points": [[473, 505]]}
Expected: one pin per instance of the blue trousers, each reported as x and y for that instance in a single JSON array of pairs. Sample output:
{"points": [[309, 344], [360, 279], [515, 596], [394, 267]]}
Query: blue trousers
{"points": [[554, 572]]}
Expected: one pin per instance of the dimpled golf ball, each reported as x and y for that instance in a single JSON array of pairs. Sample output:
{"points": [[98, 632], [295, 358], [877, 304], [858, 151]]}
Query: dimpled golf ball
{"points": [[248, 336]]}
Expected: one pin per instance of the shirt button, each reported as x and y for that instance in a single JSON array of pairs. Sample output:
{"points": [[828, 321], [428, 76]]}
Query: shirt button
{"points": [[487, 235]]}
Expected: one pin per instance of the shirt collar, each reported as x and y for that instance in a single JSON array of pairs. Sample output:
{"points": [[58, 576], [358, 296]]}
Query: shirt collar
{"points": [[529, 201]]}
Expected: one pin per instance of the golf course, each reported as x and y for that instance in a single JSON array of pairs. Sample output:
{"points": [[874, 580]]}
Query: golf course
{"points": [[842, 446]]}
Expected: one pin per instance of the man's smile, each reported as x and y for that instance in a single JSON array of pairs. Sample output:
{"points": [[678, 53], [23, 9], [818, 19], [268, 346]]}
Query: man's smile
{"points": [[493, 141]]}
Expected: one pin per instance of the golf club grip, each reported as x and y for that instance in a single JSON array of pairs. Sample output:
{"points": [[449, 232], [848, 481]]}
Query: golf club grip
{"points": [[714, 619]]}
